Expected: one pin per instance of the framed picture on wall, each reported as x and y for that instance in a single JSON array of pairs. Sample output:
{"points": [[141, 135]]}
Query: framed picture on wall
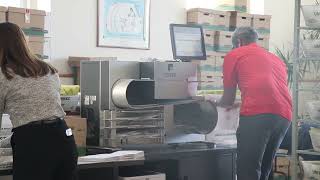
{"points": [[124, 23]]}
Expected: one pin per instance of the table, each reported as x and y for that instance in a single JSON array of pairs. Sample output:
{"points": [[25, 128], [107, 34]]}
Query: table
{"points": [[87, 166]]}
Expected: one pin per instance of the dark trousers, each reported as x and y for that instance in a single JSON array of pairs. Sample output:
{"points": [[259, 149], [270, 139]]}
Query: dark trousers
{"points": [[43, 152], [259, 138]]}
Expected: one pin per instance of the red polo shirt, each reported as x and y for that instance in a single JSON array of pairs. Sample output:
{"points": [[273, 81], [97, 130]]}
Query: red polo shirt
{"points": [[262, 80]]}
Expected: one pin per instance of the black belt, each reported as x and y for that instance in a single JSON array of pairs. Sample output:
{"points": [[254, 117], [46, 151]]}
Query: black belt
{"points": [[39, 124], [43, 122]]}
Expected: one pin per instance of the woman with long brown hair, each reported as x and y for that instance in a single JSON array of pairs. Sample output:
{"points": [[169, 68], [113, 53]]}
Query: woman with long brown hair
{"points": [[43, 145]]}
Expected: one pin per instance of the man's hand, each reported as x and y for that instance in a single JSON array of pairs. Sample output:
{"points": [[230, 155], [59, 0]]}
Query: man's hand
{"points": [[236, 105]]}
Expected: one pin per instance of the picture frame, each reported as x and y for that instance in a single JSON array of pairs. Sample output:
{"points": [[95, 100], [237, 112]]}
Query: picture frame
{"points": [[124, 24]]}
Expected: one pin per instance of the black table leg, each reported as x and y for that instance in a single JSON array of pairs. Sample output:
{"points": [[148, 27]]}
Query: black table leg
{"points": [[115, 173]]}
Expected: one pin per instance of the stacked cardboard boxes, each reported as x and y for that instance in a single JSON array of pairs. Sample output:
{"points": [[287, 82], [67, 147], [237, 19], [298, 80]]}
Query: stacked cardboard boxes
{"points": [[239, 19], [212, 21], [218, 28], [32, 23], [3, 11], [223, 41], [262, 24], [216, 25]]}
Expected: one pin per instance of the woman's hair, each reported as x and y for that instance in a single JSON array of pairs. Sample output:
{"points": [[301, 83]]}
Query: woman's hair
{"points": [[16, 57]]}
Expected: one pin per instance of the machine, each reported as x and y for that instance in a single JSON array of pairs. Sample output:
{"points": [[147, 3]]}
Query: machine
{"points": [[125, 101]]}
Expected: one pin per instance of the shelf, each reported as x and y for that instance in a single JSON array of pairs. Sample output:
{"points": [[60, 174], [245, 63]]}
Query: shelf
{"points": [[308, 152], [309, 59], [309, 89], [308, 28]]}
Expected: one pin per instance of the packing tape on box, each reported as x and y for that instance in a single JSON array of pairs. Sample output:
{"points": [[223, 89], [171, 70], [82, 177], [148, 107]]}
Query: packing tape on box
{"points": [[27, 16]]}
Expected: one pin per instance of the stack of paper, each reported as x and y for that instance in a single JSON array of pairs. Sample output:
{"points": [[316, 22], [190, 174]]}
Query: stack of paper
{"points": [[114, 157]]}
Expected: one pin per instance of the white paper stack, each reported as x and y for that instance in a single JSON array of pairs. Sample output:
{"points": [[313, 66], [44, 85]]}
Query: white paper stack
{"points": [[114, 157]]}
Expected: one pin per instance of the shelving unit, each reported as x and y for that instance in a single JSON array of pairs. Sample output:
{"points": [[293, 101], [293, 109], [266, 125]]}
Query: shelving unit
{"points": [[297, 89]]}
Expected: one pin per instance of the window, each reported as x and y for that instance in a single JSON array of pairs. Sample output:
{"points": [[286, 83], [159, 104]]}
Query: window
{"points": [[44, 5], [257, 6], [33, 4], [13, 3]]}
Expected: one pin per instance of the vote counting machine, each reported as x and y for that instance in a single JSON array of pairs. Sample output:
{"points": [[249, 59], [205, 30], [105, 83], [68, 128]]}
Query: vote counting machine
{"points": [[124, 102]]}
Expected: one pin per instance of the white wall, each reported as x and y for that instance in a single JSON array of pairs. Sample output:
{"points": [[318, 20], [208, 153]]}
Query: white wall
{"points": [[74, 27], [281, 23]]}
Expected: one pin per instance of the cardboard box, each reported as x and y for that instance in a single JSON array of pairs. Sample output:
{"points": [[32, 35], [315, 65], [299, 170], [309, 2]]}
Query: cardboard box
{"points": [[240, 20], [261, 23], [151, 176], [208, 37], [282, 166], [219, 59], [234, 5], [263, 41], [36, 45], [200, 16], [79, 129], [223, 41], [206, 76], [27, 18], [221, 20], [211, 19], [216, 85], [209, 40], [3, 11]]}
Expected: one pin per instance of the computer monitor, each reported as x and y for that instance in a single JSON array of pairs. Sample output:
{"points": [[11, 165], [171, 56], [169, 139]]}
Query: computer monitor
{"points": [[187, 42]]}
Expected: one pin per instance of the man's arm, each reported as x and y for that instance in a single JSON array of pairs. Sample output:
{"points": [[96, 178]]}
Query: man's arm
{"points": [[229, 81], [228, 97]]}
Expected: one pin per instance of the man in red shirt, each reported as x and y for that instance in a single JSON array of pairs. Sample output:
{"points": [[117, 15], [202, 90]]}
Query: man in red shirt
{"points": [[266, 105]]}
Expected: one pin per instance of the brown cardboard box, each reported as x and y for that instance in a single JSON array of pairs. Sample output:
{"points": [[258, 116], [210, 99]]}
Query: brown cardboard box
{"points": [[261, 23], [223, 41], [206, 76], [282, 166], [200, 16], [217, 20], [36, 44], [221, 20], [208, 37], [27, 18], [216, 84], [234, 5], [263, 41], [3, 11], [240, 20], [219, 58], [207, 65], [79, 129]]}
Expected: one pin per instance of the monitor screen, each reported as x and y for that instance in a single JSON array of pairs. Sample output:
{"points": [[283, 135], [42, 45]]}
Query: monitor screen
{"points": [[187, 42]]}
